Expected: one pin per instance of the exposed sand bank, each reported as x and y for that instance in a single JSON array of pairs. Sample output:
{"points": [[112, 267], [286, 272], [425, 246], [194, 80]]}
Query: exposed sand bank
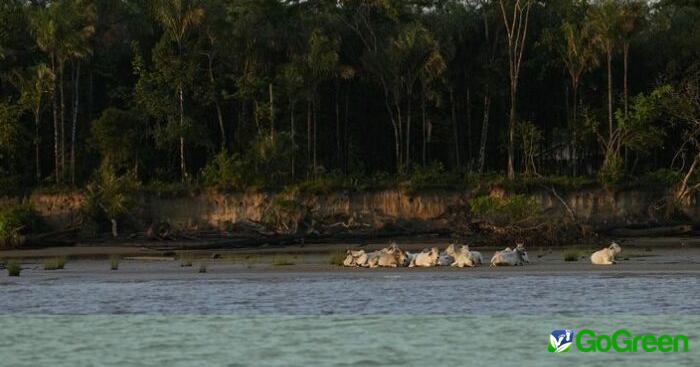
{"points": [[669, 255]]}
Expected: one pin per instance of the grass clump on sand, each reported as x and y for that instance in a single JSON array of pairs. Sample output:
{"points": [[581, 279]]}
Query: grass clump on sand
{"points": [[186, 260], [202, 268], [282, 260], [13, 268], [572, 255], [114, 261], [337, 257], [55, 263]]}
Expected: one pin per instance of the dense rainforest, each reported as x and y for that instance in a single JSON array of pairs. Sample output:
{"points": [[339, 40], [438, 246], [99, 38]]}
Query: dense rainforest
{"points": [[235, 94]]}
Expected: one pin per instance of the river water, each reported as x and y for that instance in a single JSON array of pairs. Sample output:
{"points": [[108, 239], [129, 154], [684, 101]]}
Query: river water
{"points": [[159, 315]]}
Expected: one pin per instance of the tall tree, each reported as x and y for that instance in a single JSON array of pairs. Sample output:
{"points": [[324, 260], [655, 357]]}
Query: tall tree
{"points": [[631, 16], [178, 18], [45, 31], [34, 85], [603, 17], [516, 16]]}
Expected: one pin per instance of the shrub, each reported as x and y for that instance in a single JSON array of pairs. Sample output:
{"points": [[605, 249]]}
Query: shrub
{"points": [[114, 261], [226, 172], [13, 268], [282, 260], [503, 211], [110, 197], [56, 263], [611, 173], [337, 257], [15, 221], [186, 260], [572, 255]]}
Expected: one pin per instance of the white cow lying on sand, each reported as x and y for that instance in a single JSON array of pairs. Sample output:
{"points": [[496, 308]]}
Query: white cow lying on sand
{"points": [[463, 257], [390, 257], [427, 258], [355, 258], [606, 256], [510, 257], [475, 256]]}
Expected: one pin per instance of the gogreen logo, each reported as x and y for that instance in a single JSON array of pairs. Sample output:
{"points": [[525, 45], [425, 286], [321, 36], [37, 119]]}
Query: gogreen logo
{"points": [[621, 341], [560, 341]]}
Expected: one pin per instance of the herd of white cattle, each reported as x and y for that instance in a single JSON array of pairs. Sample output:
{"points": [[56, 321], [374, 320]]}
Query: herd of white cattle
{"points": [[458, 256]]}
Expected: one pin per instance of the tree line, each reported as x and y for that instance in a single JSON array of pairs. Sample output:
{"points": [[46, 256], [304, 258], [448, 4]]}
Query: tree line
{"points": [[269, 92]]}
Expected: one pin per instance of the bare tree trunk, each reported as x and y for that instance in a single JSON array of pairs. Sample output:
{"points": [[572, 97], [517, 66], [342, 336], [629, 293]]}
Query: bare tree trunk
{"points": [[409, 115], [516, 31], [610, 94], [313, 104], [37, 121], [425, 132], [292, 104], [469, 129], [484, 132], [217, 106], [346, 140], [511, 134], [56, 156], [574, 125], [272, 111], [308, 132], [455, 128], [61, 68], [337, 125], [183, 167], [626, 52], [76, 101]]}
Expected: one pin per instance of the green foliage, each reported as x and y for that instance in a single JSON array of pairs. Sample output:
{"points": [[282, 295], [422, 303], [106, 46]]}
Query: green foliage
{"points": [[511, 210], [119, 136], [642, 129], [430, 177], [661, 179], [17, 220], [265, 165]]}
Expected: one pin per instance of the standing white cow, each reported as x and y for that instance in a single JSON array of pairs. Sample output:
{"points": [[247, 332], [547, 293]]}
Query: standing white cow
{"points": [[607, 255]]}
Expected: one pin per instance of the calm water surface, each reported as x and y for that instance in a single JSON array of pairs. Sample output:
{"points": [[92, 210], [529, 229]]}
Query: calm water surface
{"points": [[87, 317]]}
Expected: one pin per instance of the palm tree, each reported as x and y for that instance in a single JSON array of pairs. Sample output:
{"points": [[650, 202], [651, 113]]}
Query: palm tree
{"points": [[579, 56], [44, 28], [178, 18], [603, 17], [631, 14], [33, 85]]}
